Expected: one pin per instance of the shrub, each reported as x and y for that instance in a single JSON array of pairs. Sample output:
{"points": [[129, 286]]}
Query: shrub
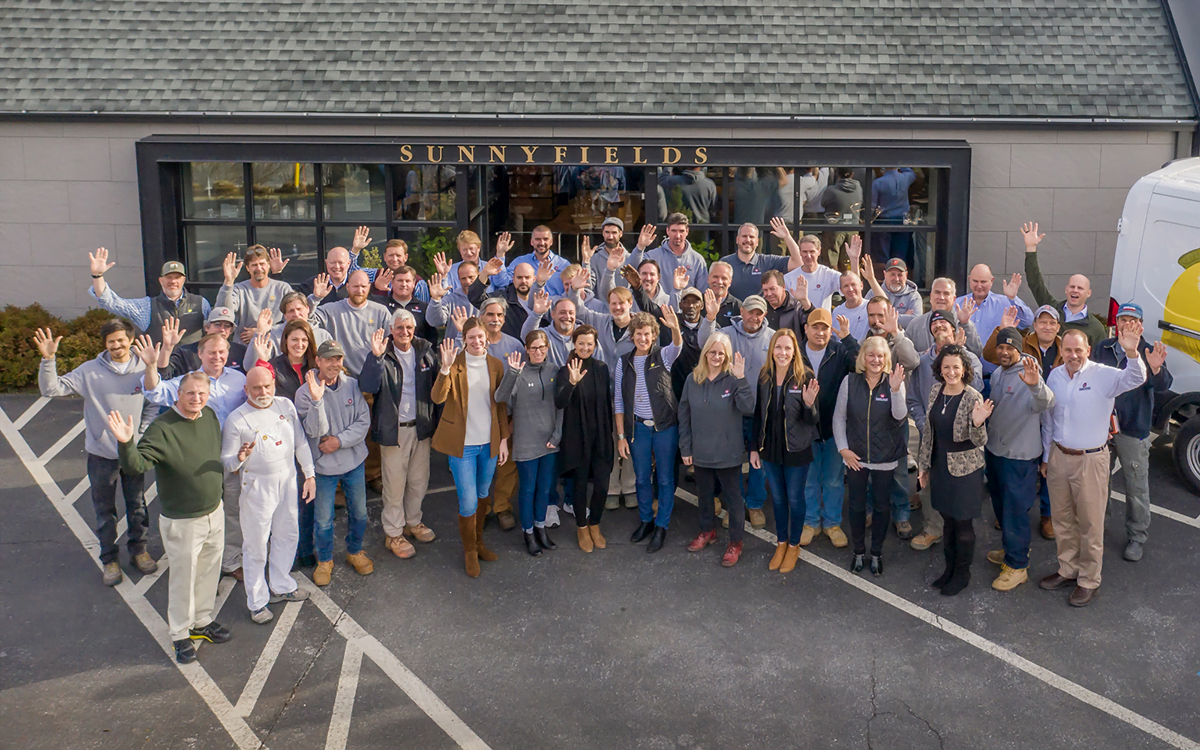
{"points": [[19, 366]]}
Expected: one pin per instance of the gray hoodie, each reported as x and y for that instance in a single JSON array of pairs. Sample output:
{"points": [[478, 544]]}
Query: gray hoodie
{"points": [[1014, 429], [611, 279], [907, 301], [342, 413], [710, 420], [560, 344], [538, 421], [752, 346], [613, 347], [842, 197], [104, 386]]}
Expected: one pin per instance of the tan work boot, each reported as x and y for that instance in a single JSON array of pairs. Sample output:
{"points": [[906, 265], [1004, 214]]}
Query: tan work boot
{"points": [[808, 534], [924, 541], [789, 559], [1010, 578], [361, 563], [421, 533], [777, 558], [400, 547], [837, 536], [112, 573], [598, 540], [584, 538], [757, 519], [145, 563], [323, 573], [996, 557]]}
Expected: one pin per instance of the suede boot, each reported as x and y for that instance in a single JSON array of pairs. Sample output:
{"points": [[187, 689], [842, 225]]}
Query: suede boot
{"points": [[949, 547], [585, 538], [485, 554], [466, 531], [964, 552], [598, 540]]}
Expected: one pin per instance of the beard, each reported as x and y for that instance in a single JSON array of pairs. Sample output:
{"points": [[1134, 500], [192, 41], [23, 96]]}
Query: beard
{"points": [[357, 299], [261, 402]]}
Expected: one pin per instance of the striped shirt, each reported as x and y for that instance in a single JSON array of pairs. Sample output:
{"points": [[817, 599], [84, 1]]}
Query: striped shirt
{"points": [[641, 396]]}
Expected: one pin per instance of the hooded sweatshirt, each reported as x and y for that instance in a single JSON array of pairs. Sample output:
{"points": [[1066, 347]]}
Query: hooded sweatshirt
{"points": [[907, 301], [710, 420], [538, 421], [342, 412], [104, 386], [668, 261], [752, 346], [560, 344], [612, 346], [1015, 427], [843, 197]]}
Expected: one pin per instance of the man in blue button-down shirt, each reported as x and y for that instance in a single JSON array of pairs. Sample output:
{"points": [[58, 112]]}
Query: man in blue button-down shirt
{"points": [[542, 241], [990, 307]]}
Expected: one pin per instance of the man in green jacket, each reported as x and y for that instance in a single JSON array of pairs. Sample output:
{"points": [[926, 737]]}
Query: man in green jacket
{"points": [[183, 446], [1074, 309]]}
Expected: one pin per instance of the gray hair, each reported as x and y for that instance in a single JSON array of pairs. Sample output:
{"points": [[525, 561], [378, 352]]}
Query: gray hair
{"points": [[195, 375], [723, 264], [946, 280], [494, 301], [403, 316]]}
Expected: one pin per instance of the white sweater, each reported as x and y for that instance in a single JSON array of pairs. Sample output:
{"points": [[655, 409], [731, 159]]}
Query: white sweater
{"points": [[479, 402]]}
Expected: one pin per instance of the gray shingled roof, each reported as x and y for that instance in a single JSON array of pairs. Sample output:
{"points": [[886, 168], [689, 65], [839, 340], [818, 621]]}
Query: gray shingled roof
{"points": [[836, 58]]}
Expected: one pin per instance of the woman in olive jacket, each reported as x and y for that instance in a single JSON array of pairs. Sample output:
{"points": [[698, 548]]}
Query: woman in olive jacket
{"points": [[716, 398], [785, 426]]}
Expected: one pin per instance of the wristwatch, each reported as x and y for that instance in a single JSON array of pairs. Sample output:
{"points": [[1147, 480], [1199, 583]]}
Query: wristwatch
{"points": [[620, 436]]}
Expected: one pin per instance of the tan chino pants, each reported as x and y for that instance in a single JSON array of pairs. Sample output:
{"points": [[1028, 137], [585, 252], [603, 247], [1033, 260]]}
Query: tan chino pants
{"points": [[405, 480], [1078, 496]]}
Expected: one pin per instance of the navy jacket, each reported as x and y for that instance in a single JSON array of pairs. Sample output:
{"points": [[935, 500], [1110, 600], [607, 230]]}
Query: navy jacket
{"points": [[1134, 409], [839, 361]]}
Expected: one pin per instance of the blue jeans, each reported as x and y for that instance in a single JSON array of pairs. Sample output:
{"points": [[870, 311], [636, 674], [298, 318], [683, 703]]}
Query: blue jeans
{"points": [[536, 477], [1044, 494], [824, 492], [754, 489], [472, 476], [304, 547], [354, 485], [899, 487], [651, 445], [1012, 483], [787, 499]]}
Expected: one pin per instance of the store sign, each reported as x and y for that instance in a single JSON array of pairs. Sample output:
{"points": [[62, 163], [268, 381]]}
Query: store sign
{"points": [[512, 155]]}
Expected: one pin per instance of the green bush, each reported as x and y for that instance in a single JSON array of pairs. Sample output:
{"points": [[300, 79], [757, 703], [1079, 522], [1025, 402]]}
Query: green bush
{"points": [[19, 366]]}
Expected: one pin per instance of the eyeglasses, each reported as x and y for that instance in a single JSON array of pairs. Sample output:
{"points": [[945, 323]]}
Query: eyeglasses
{"points": [[537, 348]]}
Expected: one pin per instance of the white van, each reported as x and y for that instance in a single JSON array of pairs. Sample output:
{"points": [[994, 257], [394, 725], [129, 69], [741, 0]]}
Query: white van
{"points": [[1157, 265]]}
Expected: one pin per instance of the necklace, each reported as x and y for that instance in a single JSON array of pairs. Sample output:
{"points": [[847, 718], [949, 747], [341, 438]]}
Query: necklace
{"points": [[945, 402]]}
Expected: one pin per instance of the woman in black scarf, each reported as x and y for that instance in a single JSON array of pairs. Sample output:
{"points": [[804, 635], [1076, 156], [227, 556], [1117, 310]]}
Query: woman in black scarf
{"points": [[583, 391]]}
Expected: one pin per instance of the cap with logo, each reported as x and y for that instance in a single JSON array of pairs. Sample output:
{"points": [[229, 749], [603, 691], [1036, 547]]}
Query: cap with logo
{"points": [[1048, 310], [613, 221], [330, 349], [1011, 337], [896, 263], [755, 302], [172, 266], [690, 292], [1130, 310], [218, 314], [937, 315]]}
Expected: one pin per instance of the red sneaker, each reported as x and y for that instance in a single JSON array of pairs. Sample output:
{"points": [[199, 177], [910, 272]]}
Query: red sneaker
{"points": [[733, 553], [703, 540]]}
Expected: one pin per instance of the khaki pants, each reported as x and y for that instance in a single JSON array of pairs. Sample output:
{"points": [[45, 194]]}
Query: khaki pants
{"points": [[231, 559], [193, 547], [622, 480], [504, 486], [1078, 496], [405, 480]]}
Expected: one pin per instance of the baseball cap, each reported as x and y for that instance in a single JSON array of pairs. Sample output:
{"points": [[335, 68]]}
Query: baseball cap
{"points": [[896, 263], [820, 315], [613, 221], [172, 266], [691, 291], [937, 315], [1130, 310], [1010, 336], [755, 302], [1051, 311], [218, 314], [330, 349]]}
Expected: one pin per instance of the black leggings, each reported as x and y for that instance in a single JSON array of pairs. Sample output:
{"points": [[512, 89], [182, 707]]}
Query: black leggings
{"points": [[963, 530], [589, 512], [730, 482], [881, 487]]}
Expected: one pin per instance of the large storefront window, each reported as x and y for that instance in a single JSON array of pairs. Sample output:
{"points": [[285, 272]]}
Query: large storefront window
{"points": [[915, 211]]}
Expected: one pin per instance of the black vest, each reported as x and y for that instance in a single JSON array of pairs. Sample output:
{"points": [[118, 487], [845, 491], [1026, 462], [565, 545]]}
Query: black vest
{"points": [[190, 312], [871, 431], [663, 404]]}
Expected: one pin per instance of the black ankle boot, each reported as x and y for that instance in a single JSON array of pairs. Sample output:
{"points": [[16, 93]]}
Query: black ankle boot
{"points": [[531, 545], [950, 547], [543, 539], [962, 569], [876, 565], [857, 563], [642, 532], [657, 540]]}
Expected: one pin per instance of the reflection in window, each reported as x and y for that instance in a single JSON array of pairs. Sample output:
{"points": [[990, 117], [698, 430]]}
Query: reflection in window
{"points": [[344, 237], [353, 192], [842, 200], [690, 191], [425, 192], [423, 244], [214, 190], [298, 245], [284, 191], [205, 248]]}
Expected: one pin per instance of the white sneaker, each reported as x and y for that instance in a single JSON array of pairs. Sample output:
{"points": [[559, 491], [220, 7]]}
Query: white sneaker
{"points": [[568, 509], [552, 517], [262, 615]]}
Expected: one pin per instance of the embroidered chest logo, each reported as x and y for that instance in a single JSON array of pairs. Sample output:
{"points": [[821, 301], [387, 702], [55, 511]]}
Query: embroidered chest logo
{"points": [[349, 401]]}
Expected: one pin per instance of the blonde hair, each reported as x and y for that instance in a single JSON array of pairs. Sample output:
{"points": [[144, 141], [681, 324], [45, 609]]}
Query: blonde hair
{"points": [[812, 239], [622, 293], [799, 371], [870, 344], [702, 372], [467, 237], [254, 252]]}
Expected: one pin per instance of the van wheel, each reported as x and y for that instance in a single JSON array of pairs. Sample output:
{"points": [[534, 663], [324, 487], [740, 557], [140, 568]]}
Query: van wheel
{"points": [[1187, 453]]}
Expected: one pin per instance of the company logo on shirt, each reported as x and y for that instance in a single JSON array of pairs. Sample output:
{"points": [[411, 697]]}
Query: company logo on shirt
{"points": [[882, 397], [1085, 387], [349, 401], [725, 394]]}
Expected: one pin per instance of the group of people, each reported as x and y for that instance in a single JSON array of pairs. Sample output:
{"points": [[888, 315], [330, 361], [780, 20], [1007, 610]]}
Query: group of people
{"points": [[261, 413]]}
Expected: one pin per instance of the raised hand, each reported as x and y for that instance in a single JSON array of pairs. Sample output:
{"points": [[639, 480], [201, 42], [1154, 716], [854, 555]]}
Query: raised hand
{"points": [[44, 339], [1008, 320], [779, 228], [739, 365], [504, 243], [379, 342], [965, 310], [516, 362], [265, 320], [231, 267], [99, 262], [1157, 356], [982, 410], [1029, 233], [541, 302], [1130, 337], [362, 238], [854, 250], [960, 336], [669, 319], [316, 388], [630, 274], [449, 350], [123, 430], [383, 279], [545, 272], [1030, 371], [441, 264], [437, 287], [843, 329], [615, 259], [459, 315], [321, 285], [800, 289], [147, 351], [891, 320], [275, 257], [261, 347], [896, 379], [575, 373], [580, 281], [711, 306], [491, 268], [681, 280], [585, 252], [1012, 286], [811, 389], [245, 450], [646, 236]]}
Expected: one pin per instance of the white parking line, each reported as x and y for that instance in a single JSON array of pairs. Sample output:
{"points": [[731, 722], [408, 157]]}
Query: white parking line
{"points": [[266, 660], [343, 704], [63, 442], [30, 413], [1050, 678]]}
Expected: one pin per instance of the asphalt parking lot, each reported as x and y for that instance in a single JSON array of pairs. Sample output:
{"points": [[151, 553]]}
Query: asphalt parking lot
{"points": [[613, 649]]}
